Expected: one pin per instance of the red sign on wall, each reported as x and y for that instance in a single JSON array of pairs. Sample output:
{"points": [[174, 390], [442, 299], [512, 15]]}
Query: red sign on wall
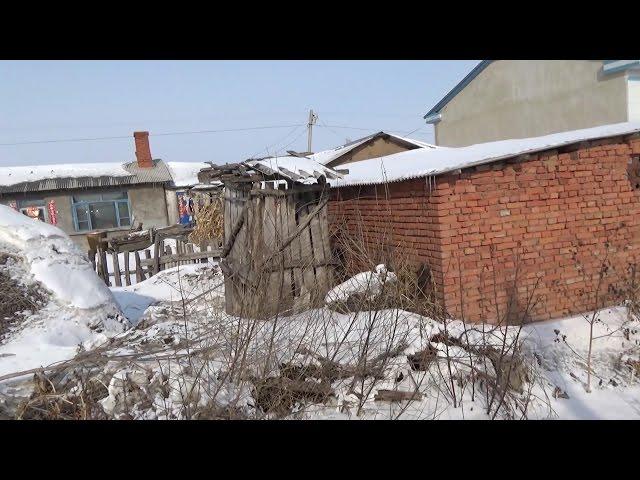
{"points": [[53, 213]]}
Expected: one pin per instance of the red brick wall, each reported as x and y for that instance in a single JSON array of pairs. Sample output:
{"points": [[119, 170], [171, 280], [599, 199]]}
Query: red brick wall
{"points": [[549, 219], [399, 217]]}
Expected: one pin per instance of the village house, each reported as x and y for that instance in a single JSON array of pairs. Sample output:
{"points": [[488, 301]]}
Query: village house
{"points": [[500, 222], [505, 99], [110, 197], [376, 145]]}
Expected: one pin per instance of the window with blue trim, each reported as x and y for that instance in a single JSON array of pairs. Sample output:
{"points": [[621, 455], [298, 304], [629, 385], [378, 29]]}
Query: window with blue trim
{"points": [[92, 211]]}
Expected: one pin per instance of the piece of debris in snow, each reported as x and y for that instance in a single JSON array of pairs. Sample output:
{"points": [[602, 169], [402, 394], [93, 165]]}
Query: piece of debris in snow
{"points": [[396, 396], [559, 393], [363, 286]]}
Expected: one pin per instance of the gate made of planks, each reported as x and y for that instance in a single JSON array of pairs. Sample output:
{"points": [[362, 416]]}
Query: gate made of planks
{"points": [[138, 245], [276, 254]]}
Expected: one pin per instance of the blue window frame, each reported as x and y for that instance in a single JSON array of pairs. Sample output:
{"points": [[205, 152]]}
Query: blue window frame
{"points": [[93, 211]]}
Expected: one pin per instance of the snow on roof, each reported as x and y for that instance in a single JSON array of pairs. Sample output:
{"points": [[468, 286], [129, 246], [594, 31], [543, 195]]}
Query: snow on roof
{"points": [[326, 156], [14, 175], [299, 169], [80, 175], [425, 162], [185, 174]]}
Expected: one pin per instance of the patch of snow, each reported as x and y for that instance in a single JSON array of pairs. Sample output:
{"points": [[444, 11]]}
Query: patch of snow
{"points": [[368, 283], [185, 174], [171, 285]]}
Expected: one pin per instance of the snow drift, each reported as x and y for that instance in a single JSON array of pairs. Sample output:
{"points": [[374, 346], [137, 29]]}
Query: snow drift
{"points": [[80, 308]]}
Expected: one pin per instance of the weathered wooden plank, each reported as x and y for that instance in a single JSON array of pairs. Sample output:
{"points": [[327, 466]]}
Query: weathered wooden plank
{"points": [[139, 274], [296, 259], [189, 250], [116, 269], [149, 269], [92, 258], [240, 248], [185, 256], [318, 256], [179, 251], [282, 232], [168, 251], [295, 190], [396, 396], [326, 246], [127, 273], [256, 248], [299, 265], [273, 288], [306, 257], [105, 268], [229, 195], [156, 254]]}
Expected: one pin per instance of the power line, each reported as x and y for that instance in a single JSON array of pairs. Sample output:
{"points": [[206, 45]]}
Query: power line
{"points": [[278, 142], [151, 135]]}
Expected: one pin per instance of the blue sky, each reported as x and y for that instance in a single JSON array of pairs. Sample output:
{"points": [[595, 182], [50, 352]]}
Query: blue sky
{"points": [[58, 100]]}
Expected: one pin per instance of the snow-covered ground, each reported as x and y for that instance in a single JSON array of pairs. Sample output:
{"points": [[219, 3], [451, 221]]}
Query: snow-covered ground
{"points": [[183, 357]]}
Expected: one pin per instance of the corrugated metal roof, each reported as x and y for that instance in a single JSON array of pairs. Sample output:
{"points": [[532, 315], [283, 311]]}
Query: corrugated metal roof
{"points": [[299, 169], [424, 162], [158, 174]]}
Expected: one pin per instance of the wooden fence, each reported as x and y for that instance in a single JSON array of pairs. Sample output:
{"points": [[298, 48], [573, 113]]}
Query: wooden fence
{"points": [[140, 244]]}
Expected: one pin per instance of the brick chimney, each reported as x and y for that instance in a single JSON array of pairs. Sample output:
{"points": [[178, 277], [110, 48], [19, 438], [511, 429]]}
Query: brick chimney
{"points": [[143, 152]]}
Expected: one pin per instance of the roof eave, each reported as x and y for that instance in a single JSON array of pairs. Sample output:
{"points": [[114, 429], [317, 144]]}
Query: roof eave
{"points": [[433, 119], [615, 66], [458, 88]]}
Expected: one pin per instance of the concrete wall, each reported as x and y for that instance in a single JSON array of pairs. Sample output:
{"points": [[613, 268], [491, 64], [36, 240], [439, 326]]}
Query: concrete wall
{"points": [[147, 203], [527, 98], [172, 206], [497, 235], [379, 147]]}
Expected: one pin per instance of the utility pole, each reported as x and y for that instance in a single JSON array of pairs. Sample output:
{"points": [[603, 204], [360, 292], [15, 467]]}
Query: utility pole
{"points": [[312, 120]]}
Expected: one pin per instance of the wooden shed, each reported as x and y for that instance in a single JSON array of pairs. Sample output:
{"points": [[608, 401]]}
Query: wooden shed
{"points": [[276, 256]]}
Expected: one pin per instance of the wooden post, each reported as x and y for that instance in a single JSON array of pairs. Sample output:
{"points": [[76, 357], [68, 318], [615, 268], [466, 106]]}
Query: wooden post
{"points": [[127, 277], [156, 254], [92, 258], [148, 270], [105, 267], [139, 274], [189, 249], [203, 248], [116, 269], [168, 251]]}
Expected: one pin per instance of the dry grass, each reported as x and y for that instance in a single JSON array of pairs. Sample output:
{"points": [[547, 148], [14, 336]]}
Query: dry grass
{"points": [[16, 297], [209, 222]]}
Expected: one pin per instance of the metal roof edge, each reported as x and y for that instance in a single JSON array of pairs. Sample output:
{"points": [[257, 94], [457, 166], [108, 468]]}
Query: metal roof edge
{"points": [[458, 88]]}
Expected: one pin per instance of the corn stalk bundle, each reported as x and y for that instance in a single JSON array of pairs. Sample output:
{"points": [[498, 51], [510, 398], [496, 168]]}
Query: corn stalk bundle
{"points": [[209, 222]]}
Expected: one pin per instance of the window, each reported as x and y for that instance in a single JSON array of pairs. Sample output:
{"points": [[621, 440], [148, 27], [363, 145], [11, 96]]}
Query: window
{"points": [[92, 211], [33, 208]]}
